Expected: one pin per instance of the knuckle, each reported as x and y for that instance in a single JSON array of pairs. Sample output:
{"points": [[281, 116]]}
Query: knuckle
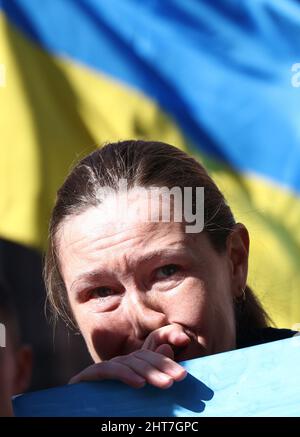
{"points": [[118, 359], [100, 369], [140, 353]]}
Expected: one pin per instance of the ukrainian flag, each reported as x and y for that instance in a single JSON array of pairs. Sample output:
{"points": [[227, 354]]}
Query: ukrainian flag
{"points": [[219, 79]]}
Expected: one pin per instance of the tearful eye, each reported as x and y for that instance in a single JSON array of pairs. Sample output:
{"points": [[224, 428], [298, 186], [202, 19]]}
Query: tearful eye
{"points": [[101, 292], [167, 271]]}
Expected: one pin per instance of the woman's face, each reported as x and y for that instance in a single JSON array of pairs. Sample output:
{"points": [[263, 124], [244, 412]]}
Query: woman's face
{"points": [[127, 279]]}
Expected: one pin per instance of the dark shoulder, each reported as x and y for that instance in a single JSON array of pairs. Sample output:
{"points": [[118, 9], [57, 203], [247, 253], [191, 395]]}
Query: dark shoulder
{"points": [[264, 335]]}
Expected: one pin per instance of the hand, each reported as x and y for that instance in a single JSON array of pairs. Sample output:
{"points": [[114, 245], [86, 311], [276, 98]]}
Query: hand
{"points": [[136, 369], [167, 340]]}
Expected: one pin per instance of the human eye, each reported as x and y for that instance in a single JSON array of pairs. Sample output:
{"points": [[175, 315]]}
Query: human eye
{"points": [[101, 293], [167, 271]]}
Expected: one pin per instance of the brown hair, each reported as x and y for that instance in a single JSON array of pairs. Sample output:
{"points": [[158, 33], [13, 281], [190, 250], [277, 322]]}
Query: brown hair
{"points": [[144, 164]]}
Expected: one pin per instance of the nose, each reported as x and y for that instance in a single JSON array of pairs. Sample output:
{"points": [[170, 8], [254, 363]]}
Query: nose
{"points": [[144, 313]]}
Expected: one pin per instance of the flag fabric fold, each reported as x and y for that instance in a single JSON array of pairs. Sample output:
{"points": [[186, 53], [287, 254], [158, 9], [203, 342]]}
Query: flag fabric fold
{"points": [[218, 79]]}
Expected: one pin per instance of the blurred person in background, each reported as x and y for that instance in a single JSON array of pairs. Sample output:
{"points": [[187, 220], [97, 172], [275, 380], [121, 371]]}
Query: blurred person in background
{"points": [[15, 358]]}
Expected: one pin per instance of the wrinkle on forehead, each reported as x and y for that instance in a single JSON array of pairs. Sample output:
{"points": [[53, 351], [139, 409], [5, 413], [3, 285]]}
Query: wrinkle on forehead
{"points": [[79, 231], [87, 237], [114, 215], [101, 223]]}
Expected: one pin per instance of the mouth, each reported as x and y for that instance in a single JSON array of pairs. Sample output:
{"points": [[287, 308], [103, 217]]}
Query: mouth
{"points": [[189, 352], [178, 351]]}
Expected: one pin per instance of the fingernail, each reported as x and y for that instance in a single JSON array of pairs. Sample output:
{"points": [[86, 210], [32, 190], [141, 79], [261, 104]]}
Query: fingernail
{"points": [[184, 375], [179, 372], [168, 382], [183, 336], [166, 378]]}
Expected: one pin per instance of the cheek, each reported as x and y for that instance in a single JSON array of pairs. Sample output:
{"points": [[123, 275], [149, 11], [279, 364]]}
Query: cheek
{"points": [[189, 306], [201, 303], [86, 322], [104, 334], [220, 320]]}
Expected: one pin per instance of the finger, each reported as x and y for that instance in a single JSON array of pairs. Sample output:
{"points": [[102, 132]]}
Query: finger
{"points": [[110, 370], [172, 334], [178, 338], [166, 350], [162, 363], [149, 372]]}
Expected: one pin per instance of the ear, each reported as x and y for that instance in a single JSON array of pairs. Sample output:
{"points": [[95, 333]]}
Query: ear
{"points": [[238, 252], [23, 369]]}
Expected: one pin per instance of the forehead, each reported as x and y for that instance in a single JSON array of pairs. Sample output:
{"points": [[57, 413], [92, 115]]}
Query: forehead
{"points": [[97, 229], [101, 234], [118, 216]]}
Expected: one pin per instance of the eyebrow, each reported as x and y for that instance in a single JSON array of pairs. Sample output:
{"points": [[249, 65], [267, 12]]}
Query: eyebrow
{"points": [[87, 276], [94, 275]]}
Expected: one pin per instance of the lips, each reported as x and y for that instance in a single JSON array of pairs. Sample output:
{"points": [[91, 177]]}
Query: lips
{"points": [[189, 352], [178, 351]]}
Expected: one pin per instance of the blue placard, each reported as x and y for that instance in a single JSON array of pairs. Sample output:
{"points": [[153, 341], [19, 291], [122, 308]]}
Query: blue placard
{"points": [[261, 380]]}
